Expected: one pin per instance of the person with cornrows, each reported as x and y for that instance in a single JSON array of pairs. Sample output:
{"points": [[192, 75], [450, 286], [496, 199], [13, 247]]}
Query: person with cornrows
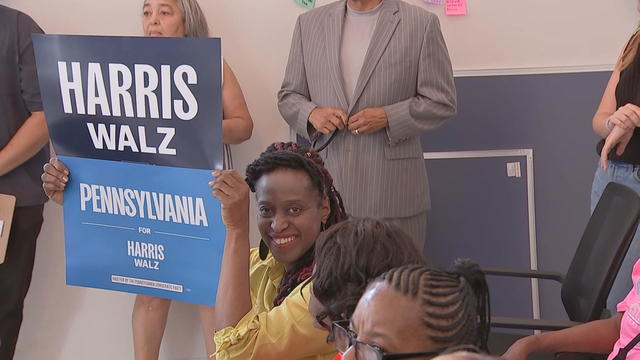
{"points": [[418, 311]]}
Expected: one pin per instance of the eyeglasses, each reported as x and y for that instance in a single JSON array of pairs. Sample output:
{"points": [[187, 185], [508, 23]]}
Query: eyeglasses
{"points": [[346, 339], [320, 319]]}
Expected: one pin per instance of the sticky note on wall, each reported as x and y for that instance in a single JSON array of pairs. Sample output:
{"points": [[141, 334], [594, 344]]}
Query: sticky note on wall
{"points": [[455, 7], [309, 4]]}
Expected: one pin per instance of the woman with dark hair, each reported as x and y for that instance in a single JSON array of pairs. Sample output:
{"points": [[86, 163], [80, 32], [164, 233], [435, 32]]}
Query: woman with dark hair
{"points": [[417, 311], [261, 306], [348, 256]]}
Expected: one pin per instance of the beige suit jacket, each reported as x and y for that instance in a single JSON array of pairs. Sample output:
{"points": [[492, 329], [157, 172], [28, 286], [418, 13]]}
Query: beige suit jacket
{"points": [[406, 71]]}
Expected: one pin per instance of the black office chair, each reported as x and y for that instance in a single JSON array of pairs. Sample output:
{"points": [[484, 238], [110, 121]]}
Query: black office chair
{"points": [[595, 264]]}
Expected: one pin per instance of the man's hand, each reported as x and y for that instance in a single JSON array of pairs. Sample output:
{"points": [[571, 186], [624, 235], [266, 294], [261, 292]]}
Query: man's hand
{"points": [[328, 119], [368, 120]]}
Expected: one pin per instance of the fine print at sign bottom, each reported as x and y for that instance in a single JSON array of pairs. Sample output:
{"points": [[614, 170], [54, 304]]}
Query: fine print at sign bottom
{"points": [[146, 283]]}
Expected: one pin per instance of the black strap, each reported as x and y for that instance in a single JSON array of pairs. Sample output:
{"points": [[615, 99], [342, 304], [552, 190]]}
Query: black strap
{"points": [[324, 146], [622, 353]]}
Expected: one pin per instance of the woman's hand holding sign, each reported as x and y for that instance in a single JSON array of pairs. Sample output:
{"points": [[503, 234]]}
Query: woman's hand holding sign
{"points": [[54, 179], [233, 193], [233, 287]]}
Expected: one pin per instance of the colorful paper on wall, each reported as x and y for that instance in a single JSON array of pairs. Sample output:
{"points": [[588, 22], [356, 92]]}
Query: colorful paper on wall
{"points": [[456, 7], [309, 4]]}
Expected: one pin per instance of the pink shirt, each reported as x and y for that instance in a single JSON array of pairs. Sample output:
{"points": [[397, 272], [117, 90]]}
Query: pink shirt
{"points": [[630, 323]]}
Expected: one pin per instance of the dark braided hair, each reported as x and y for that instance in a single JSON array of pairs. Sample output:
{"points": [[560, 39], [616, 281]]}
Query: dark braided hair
{"points": [[291, 155], [351, 254], [455, 304]]}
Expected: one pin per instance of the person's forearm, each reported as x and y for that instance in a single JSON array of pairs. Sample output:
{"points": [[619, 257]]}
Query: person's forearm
{"points": [[599, 123], [593, 337], [27, 141], [236, 130], [233, 300]]}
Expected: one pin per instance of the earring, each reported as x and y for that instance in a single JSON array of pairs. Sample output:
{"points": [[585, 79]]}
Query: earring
{"points": [[323, 226], [263, 250]]}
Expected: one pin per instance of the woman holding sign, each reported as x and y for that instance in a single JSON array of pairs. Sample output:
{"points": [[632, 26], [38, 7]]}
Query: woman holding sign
{"points": [[262, 302], [184, 18], [170, 18]]}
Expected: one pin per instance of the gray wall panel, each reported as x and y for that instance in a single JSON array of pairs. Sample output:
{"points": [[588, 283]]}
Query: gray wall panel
{"points": [[551, 114], [480, 213]]}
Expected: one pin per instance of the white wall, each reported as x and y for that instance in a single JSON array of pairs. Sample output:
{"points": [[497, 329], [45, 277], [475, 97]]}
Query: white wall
{"points": [[64, 322]]}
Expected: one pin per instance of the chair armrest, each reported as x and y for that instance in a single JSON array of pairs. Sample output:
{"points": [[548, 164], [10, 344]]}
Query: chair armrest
{"points": [[531, 324], [525, 273]]}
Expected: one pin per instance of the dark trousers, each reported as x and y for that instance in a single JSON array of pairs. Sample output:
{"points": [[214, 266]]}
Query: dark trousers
{"points": [[15, 274]]}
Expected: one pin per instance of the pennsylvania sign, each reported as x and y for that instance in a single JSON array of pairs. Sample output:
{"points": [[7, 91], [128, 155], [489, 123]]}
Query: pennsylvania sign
{"points": [[138, 122]]}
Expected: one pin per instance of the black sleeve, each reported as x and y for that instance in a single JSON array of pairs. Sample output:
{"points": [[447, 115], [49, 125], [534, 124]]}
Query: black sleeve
{"points": [[29, 88]]}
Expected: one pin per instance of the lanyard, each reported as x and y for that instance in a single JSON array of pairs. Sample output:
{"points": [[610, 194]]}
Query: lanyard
{"points": [[622, 353]]}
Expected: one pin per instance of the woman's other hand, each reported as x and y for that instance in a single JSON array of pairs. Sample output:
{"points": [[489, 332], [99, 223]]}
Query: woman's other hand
{"points": [[54, 179], [619, 136], [233, 193]]}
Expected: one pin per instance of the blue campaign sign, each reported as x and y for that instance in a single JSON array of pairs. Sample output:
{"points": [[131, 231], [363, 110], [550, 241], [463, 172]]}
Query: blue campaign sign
{"points": [[138, 122], [146, 100], [156, 231]]}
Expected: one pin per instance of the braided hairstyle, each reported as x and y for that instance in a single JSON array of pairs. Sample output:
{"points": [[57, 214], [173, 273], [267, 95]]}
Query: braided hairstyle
{"points": [[291, 155], [455, 304], [353, 253]]}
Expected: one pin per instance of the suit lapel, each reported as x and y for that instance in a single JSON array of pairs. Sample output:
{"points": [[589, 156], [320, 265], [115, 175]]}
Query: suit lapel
{"points": [[387, 23], [333, 37]]}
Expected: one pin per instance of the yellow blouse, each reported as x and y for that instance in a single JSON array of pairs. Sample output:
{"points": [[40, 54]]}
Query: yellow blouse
{"points": [[266, 332]]}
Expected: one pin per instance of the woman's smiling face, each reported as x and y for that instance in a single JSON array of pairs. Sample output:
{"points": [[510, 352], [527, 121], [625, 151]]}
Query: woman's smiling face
{"points": [[290, 213]]}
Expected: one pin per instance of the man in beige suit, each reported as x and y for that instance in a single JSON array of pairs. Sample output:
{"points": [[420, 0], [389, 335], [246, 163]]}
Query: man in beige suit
{"points": [[377, 73]]}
